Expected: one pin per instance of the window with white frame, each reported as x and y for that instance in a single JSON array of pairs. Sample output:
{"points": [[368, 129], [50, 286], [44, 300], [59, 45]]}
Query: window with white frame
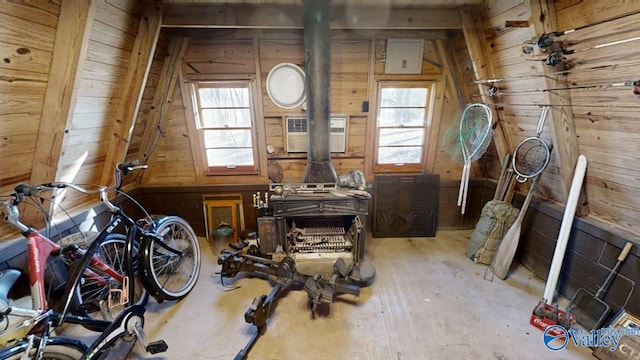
{"points": [[402, 125], [224, 116]]}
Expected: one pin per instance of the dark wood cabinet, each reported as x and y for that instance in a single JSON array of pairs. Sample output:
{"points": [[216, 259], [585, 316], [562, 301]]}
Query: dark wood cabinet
{"points": [[405, 205]]}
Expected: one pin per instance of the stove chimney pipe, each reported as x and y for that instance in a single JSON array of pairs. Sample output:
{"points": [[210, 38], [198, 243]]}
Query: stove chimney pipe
{"points": [[317, 86]]}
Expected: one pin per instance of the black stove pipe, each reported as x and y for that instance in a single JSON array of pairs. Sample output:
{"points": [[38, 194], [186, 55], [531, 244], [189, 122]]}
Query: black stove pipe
{"points": [[317, 86]]}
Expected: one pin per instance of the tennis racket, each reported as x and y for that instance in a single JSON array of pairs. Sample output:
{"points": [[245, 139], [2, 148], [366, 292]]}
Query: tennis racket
{"points": [[475, 134]]}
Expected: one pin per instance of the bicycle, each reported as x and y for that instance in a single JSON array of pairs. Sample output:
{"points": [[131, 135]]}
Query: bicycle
{"points": [[168, 265]]}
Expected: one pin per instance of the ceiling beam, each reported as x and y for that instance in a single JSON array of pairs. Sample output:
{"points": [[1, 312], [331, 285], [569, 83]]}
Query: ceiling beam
{"points": [[162, 101], [135, 79], [479, 51], [290, 17], [69, 52]]}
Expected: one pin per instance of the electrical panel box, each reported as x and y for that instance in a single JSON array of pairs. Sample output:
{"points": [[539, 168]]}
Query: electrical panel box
{"points": [[404, 56]]}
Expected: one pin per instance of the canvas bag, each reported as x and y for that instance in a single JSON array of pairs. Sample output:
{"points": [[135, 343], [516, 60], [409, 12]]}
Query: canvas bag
{"points": [[495, 220]]}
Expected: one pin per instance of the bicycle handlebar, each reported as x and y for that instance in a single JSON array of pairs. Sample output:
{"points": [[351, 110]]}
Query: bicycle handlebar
{"points": [[125, 168], [23, 190]]}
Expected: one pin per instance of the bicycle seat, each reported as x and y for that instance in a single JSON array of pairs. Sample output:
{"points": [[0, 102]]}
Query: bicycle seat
{"points": [[8, 278]]}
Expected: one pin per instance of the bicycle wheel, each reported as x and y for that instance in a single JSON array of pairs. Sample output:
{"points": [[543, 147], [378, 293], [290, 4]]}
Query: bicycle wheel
{"points": [[171, 266], [57, 348], [95, 285]]}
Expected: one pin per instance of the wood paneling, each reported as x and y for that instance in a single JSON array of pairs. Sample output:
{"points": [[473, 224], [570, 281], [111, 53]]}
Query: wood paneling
{"points": [[65, 66], [604, 118], [290, 17], [141, 57], [231, 55], [26, 46]]}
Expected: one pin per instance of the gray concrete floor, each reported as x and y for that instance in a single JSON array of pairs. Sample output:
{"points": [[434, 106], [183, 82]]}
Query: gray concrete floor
{"points": [[428, 301]]}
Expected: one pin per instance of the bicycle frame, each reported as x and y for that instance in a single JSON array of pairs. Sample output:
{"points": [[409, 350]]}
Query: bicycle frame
{"points": [[39, 247], [128, 323], [118, 217]]}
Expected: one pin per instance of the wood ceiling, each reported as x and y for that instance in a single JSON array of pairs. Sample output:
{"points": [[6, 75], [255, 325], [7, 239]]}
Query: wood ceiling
{"points": [[383, 3], [286, 14]]}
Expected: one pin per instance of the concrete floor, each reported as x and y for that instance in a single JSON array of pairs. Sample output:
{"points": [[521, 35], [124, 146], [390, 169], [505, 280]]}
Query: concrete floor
{"points": [[428, 301]]}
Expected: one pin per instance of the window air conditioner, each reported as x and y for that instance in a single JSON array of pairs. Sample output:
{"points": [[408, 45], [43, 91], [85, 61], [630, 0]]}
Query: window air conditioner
{"points": [[297, 134]]}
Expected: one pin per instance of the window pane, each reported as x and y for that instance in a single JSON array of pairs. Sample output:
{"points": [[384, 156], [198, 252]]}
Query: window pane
{"points": [[400, 155], [226, 118], [230, 157], [403, 97], [400, 116], [224, 97], [401, 137], [227, 138]]}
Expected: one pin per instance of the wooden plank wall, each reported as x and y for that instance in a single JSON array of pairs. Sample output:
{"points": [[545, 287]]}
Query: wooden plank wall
{"points": [[147, 105], [26, 48], [28, 45], [235, 54], [601, 116], [112, 36], [602, 119], [606, 119]]}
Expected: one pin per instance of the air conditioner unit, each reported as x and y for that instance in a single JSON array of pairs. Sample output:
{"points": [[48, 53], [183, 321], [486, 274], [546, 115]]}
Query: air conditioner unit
{"points": [[297, 134]]}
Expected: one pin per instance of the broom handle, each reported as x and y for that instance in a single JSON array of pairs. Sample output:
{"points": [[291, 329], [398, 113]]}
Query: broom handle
{"points": [[607, 283], [565, 228]]}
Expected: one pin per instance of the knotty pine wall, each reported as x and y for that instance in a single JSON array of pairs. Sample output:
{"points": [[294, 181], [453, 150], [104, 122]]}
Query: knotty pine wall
{"points": [[356, 66], [50, 120], [66, 78], [597, 120]]}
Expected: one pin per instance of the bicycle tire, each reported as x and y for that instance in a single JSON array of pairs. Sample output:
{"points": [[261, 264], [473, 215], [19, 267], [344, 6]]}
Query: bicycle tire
{"points": [[170, 276], [57, 348], [89, 293]]}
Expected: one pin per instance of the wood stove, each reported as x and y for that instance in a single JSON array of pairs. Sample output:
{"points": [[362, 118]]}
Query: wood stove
{"points": [[315, 224], [323, 218]]}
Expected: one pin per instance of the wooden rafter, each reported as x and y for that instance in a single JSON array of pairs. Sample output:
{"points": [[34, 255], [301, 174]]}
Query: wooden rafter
{"points": [[135, 80], [482, 68], [290, 17], [563, 130], [69, 53], [163, 98]]}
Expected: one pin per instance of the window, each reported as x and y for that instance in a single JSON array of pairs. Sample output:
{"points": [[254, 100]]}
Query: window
{"points": [[402, 125], [225, 118]]}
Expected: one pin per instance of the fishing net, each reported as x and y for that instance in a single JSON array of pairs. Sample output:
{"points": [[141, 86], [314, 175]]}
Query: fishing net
{"points": [[474, 138]]}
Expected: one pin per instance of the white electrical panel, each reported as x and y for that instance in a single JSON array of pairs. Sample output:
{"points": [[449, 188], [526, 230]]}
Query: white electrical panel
{"points": [[404, 56]]}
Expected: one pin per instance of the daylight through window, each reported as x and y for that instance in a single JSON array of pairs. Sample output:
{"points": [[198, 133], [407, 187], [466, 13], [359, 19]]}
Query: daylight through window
{"points": [[226, 121], [402, 124]]}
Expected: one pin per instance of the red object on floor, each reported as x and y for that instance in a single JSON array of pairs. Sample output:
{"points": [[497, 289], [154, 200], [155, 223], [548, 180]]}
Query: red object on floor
{"points": [[543, 322]]}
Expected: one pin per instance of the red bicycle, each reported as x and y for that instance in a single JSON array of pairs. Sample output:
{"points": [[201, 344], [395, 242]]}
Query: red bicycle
{"points": [[108, 282]]}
